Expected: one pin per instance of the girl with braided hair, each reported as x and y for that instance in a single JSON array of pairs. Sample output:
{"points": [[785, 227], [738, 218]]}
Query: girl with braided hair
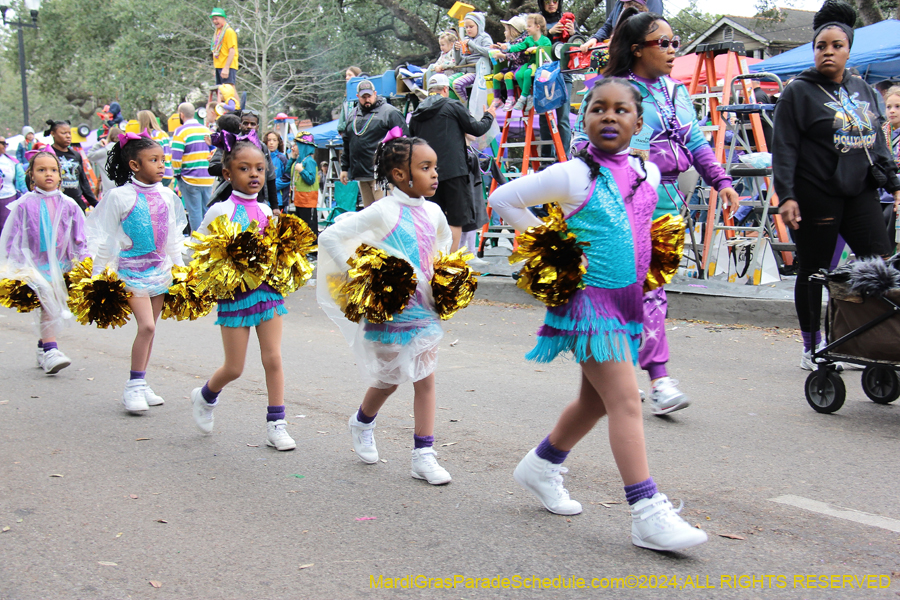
{"points": [[404, 225], [607, 199], [244, 167], [137, 231]]}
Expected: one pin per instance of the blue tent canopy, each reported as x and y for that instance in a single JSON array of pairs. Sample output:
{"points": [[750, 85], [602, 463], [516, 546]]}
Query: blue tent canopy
{"points": [[325, 134], [875, 52]]}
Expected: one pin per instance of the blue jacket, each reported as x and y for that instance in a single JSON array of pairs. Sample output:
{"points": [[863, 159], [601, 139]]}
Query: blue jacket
{"points": [[279, 161], [604, 33]]}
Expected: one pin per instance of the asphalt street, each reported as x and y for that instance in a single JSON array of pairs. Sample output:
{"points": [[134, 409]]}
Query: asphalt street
{"points": [[97, 504]]}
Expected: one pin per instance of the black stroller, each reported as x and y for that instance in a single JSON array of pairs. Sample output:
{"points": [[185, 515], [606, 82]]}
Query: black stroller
{"points": [[861, 328]]}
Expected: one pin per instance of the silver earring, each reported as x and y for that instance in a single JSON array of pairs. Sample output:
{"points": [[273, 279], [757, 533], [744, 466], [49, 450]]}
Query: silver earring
{"points": [[410, 183]]}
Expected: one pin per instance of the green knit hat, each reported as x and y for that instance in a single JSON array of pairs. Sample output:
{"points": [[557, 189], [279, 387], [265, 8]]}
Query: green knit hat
{"points": [[218, 12]]}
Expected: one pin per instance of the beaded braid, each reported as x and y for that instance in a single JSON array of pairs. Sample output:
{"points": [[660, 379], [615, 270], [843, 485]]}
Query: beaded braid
{"points": [[392, 154], [585, 155], [117, 167]]}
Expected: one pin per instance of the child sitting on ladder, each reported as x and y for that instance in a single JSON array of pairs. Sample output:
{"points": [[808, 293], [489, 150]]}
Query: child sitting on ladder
{"points": [[473, 54], [446, 62], [537, 44], [508, 63]]}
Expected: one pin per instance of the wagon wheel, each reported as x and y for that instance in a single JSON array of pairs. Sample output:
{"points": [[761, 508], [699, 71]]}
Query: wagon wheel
{"points": [[830, 397], [880, 383]]}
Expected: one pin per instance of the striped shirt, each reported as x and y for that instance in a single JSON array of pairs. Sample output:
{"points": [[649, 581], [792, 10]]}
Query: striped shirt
{"points": [[190, 154], [163, 140]]}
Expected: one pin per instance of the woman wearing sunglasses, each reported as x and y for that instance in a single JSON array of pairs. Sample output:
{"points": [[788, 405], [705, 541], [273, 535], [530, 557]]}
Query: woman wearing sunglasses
{"points": [[643, 50]]}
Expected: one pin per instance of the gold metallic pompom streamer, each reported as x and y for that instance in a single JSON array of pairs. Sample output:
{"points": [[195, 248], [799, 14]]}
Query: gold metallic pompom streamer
{"points": [[228, 258], [185, 299], [667, 239], [553, 268], [378, 287], [101, 299], [15, 293], [291, 240], [80, 270], [454, 283]]}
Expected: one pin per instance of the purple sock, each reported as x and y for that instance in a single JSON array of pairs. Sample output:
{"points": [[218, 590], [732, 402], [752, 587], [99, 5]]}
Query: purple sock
{"points": [[636, 492], [40, 343], [657, 371], [210, 396], [135, 374], [811, 339], [50, 346], [548, 451], [423, 441], [276, 413], [362, 418]]}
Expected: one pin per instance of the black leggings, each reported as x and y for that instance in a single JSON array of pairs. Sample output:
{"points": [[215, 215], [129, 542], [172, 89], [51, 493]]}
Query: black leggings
{"points": [[859, 220]]}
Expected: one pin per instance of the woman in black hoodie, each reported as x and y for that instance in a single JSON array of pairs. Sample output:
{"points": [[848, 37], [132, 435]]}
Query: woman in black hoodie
{"points": [[827, 136]]}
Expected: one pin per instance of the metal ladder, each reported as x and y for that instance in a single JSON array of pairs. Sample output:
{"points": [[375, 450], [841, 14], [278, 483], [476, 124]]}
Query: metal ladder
{"points": [[759, 180]]}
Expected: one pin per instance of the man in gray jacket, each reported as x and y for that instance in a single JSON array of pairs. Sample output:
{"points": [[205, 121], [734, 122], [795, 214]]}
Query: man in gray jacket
{"points": [[367, 124], [444, 123]]}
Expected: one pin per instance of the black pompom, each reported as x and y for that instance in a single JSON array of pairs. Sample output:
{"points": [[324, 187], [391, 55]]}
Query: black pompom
{"points": [[835, 11]]}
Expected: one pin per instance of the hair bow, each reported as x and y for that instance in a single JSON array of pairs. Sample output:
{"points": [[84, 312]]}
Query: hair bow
{"points": [[252, 137], [394, 133], [127, 136], [224, 140]]}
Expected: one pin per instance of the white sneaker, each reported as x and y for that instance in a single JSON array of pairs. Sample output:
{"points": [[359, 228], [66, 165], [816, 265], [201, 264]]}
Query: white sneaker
{"points": [[133, 397], [203, 411], [425, 466], [665, 397], [655, 524], [277, 436], [151, 397], [808, 364], [363, 436], [39, 357], [54, 361], [520, 103], [544, 479], [529, 104], [477, 263]]}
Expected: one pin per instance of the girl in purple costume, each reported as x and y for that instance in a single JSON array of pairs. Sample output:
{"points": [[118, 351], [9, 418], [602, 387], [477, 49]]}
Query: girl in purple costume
{"points": [[244, 165], [42, 238], [607, 198], [136, 230]]}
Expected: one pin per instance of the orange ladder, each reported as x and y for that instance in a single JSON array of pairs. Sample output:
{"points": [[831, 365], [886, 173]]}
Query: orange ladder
{"points": [[530, 159]]}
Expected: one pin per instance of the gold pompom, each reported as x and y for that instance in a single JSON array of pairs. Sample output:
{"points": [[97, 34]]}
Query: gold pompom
{"points": [[291, 240], [553, 267], [667, 240], [15, 293], [185, 299], [378, 286], [454, 283], [228, 258], [80, 270], [101, 299]]}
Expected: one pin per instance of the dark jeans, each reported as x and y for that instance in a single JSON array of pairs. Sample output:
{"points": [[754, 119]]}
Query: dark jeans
{"points": [[859, 220]]}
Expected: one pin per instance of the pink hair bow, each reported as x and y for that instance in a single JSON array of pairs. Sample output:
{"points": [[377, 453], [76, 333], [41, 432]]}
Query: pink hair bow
{"points": [[252, 137], [394, 133], [127, 136]]}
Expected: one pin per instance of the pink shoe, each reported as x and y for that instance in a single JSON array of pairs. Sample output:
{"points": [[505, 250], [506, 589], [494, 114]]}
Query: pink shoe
{"points": [[510, 101]]}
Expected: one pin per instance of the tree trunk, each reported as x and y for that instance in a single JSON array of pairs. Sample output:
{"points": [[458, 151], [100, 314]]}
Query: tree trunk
{"points": [[869, 12], [419, 29]]}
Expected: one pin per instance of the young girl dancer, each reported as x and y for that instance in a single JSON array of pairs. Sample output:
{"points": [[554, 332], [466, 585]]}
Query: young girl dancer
{"points": [[404, 225], [137, 231], [244, 165], [42, 238], [607, 199]]}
